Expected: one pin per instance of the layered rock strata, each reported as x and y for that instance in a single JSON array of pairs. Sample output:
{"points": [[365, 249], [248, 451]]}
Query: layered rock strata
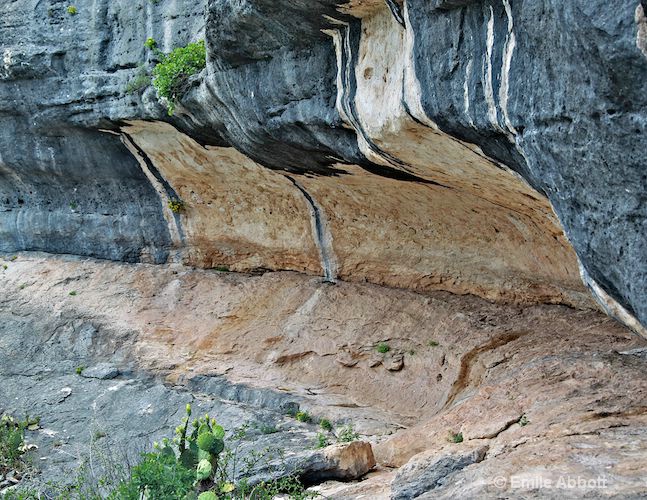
{"points": [[462, 146]]}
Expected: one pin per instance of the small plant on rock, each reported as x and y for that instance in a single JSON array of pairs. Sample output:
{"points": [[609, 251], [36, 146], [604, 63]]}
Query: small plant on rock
{"points": [[303, 416], [433, 343], [322, 440], [79, 369], [71, 10], [347, 434], [456, 437], [523, 421], [171, 75], [268, 429], [150, 44], [325, 424], [176, 206], [12, 443], [383, 348]]}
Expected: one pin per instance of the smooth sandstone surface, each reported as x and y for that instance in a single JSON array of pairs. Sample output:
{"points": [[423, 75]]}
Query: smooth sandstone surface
{"points": [[550, 391]]}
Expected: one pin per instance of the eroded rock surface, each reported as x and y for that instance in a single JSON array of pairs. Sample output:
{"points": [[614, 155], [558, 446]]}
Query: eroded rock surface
{"points": [[420, 156], [431, 140], [549, 392]]}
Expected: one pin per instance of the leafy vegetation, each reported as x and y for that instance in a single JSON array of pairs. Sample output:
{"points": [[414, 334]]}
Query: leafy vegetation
{"points": [[456, 437], [322, 440], [433, 343], [159, 475], [79, 369], [176, 206], [383, 348], [347, 434], [71, 10], [172, 73], [303, 416], [150, 44], [523, 421], [325, 424], [12, 443], [195, 464]]}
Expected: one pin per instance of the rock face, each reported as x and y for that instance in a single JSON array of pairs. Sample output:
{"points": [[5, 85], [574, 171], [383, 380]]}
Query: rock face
{"points": [[343, 461], [416, 144], [427, 473], [494, 149], [540, 394]]}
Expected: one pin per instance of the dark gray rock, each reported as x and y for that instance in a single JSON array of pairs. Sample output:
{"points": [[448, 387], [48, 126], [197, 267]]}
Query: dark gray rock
{"points": [[101, 371], [422, 475], [66, 187], [577, 103], [345, 462]]}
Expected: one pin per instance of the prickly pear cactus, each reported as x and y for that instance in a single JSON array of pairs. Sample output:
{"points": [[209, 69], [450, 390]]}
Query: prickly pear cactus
{"points": [[207, 441], [204, 470], [199, 449], [207, 495]]}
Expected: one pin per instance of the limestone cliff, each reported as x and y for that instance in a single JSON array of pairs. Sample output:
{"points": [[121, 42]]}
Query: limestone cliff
{"points": [[465, 146], [398, 149]]}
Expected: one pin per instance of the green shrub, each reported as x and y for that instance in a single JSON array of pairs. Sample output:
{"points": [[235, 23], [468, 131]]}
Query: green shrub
{"points": [[303, 416], [433, 343], [197, 460], [347, 434], [71, 10], [171, 75], [12, 444], [383, 348], [322, 440], [456, 437], [72, 293], [325, 424], [523, 421], [79, 369], [176, 206], [222, 269], [159, 475], [150, 44]]}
